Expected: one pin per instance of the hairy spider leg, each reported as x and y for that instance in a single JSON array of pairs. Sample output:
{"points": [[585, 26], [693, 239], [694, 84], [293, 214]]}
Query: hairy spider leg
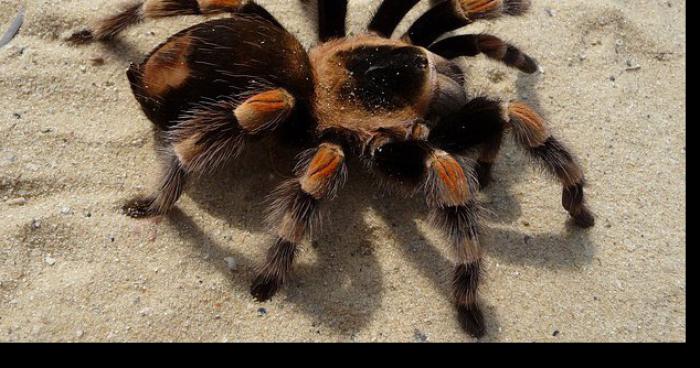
{"points": [[206, 137], [331, 19], [450, 190], [389, 15], [450, 15], [294, 214], [489, 45], [482, 122], [109, 27]]}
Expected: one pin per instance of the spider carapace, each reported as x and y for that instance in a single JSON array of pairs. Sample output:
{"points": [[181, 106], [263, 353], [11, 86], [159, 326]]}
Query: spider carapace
{"points": [[397, 104]]}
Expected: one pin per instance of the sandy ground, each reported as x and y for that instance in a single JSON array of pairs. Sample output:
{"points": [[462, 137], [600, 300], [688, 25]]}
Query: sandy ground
{"points": [[75, 146]]}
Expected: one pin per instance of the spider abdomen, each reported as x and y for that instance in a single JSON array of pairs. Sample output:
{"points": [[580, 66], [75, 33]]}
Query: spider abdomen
{"points": [[225, 58]]}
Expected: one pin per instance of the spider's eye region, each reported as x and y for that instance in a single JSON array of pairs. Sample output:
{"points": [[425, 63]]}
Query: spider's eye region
{"points": [[384, 77]]}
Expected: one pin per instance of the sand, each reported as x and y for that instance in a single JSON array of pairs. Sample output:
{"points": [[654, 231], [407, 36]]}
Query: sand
{"points": [[75, 146]]}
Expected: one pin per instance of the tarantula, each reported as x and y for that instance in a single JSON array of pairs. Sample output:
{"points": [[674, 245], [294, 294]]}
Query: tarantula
{"points": [[398, 105]]}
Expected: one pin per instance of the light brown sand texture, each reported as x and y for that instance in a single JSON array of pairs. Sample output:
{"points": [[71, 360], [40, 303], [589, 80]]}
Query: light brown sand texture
{"points": [[74, 146]]}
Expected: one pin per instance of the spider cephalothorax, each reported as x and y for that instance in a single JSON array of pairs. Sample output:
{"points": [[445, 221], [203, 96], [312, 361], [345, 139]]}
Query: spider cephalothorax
{"points": [[374, 87], [399, 105]]}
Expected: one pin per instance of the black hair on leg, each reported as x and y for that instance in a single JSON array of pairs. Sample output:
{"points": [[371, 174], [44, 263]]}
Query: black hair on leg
{"points": [[331, 19], [163, 199], [491, 46], [275, 271], [450, 15], [530, 130], [389, 15], [438, 20], [294, 212], [487, 157], [402, 161], [138, 11], [465, 284], [479, 120], [557, 160]]}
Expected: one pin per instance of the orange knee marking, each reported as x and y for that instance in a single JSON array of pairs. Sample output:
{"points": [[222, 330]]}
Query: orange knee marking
{"points": [[471, 7], [259, 111], [323, 166], [530, 124], [167, 68], [452, 181]]}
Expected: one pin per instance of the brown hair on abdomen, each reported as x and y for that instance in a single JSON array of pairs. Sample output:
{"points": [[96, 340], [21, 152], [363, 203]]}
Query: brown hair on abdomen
{"points": [[232, 57]]}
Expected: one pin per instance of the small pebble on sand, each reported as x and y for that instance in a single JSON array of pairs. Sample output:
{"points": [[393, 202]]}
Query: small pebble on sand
{"points": [[419, 336], [36, 224], [97, 61], [231, 263], [66, 211], [262, 311], [17, 201], [50, 260]]}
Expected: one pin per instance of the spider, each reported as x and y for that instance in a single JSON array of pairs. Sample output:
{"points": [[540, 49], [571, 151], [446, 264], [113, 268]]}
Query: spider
{"points": [[399, 105]]}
